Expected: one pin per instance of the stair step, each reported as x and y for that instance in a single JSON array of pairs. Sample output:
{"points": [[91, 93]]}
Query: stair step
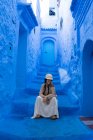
{"points": [[41, 81], [36, 92], [44, 73], [25, 107], [37, 86], [48, 67], [43, 77]]}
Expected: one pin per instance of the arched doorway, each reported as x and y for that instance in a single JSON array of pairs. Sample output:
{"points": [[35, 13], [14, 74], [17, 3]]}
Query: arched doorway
{"points": [[21, 58], [87, 73], [48, 52]]}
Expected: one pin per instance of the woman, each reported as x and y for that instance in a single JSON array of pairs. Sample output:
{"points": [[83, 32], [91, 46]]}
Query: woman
{"points": [[46, 103]]}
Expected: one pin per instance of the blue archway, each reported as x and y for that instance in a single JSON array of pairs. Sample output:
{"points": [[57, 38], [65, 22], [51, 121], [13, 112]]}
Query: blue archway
{"points": [[87, 71], [48, 52]]}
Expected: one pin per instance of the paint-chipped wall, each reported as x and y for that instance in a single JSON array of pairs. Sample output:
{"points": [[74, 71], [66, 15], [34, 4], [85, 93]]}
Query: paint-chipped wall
{"points": [[8, 43], [86, 30], [65, 29], [33, 53], [33, 48]]}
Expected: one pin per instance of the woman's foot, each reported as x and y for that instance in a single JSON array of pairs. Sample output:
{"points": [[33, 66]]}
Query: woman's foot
{"points": [[37, 116], [54, 117]]}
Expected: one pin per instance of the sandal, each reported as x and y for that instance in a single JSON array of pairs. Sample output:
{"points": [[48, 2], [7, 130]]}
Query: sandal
{"points": [[37, 116], [54, 117]]}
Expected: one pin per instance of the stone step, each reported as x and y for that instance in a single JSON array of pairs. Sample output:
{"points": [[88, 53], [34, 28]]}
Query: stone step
{"points": [[40, 81], [48, 67], [25, 107], [29, 91], [37, 86], [43, 73], [36, 92], [43, 77]]}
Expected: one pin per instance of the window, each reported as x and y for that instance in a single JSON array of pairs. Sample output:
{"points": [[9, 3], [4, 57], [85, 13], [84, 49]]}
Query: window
{"points": [[52, 11], [34, 30], [61, 23]]}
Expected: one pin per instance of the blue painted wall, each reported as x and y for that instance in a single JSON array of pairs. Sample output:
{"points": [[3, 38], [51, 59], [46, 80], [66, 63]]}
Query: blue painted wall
{"points": [[87, 73], [21, 58], [8, 43], [83, 51], [14, 29]]}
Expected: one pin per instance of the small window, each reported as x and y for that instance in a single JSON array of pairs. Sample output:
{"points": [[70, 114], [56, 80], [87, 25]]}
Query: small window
{"points": [[52, 11], [34, 30], [61, 23]]}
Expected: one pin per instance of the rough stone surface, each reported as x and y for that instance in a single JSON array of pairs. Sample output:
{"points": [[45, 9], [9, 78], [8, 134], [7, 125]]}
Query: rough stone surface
{"points": [[8, 39]]}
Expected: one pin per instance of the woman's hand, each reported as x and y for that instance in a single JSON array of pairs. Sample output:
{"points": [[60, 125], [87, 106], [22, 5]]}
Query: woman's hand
{"points": [[44, 99]]}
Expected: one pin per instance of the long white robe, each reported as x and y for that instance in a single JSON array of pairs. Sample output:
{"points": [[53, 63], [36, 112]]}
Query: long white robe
{"points": [[46, 110]]}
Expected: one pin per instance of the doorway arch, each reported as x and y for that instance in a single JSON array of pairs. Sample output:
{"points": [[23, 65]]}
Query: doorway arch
{"points": [[48, 52], [87, 73]]}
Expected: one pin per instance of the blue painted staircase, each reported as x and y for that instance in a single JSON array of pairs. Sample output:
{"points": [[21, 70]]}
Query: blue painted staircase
{"points": [[18, 125], [36, 83], [24, 99]]}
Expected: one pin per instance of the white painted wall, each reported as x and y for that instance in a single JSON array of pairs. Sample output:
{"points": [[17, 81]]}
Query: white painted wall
{"points": [[46, 20], [65, 33]]}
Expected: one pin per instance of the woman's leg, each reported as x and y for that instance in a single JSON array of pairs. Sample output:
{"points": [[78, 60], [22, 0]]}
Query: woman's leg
{"points": [[54, 108], [45, 110], [37, 107]]}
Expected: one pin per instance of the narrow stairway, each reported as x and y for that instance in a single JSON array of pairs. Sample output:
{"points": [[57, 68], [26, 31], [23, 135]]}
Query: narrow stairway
{"points": [[24, 100], [36, 83], [18, 124]]}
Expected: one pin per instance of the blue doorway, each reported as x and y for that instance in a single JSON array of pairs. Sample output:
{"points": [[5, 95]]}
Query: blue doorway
{"points": [[48, 53], [87, 71]]}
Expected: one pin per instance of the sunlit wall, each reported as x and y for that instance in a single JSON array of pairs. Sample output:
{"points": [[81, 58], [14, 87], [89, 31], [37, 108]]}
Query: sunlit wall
{"points": [[65, 29], [33, 48], [48, 21]]}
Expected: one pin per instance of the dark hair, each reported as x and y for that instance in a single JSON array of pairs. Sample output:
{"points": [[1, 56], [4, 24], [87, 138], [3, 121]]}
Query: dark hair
{"points": [[45, 80], [50, 85]]}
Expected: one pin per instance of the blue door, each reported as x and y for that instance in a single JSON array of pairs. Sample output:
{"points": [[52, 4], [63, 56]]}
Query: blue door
{"points": [[48, 53]]}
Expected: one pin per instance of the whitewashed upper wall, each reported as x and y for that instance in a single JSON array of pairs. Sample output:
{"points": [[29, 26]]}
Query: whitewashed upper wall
{"points": [[46, 20], [33, 49], [65, 31]]}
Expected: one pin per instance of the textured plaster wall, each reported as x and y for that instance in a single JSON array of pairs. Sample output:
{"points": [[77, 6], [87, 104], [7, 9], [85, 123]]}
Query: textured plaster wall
{"points": [[65, 29], [86, 30], [33, 52], [8, 43], [67, 45], [86, 33]]}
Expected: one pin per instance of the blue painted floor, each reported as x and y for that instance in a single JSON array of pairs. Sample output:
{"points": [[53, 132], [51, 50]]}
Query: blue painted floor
{"points": [[64, 128], [18, 125]]}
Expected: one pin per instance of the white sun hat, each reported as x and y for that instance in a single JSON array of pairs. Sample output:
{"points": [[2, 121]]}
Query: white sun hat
{"points": [[49, 76]]}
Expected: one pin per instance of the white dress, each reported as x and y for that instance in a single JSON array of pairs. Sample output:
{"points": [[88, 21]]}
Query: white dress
{"points": [[46, 110]]}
